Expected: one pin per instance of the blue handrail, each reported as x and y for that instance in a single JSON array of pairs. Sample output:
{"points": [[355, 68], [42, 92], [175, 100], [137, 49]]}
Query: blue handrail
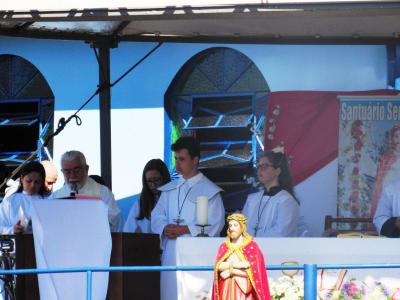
{"points": [[310, 272], [89, 285], [310, 282]]}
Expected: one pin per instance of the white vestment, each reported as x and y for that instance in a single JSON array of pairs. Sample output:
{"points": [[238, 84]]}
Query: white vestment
{"points": [[92, 188], [181, 196], [10, 210], [388, 205], [178, 200], [132, 224], [12, 187], [273, 216]]}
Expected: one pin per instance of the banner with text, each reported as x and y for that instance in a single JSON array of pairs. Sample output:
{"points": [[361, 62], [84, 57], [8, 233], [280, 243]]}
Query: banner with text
{"points": [[369, 148]]}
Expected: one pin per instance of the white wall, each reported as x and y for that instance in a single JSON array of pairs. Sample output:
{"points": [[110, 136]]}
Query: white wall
{"points": [[318, 197], [137, 137], [85, 138]]}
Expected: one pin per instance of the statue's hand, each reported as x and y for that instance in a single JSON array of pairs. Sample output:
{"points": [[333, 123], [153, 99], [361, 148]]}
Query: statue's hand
{"points": [[225, 274], [223, 266], [241, 265]]}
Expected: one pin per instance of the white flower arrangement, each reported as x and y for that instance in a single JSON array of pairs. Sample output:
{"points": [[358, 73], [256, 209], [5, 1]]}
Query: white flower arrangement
{"points": [[287, 288]]}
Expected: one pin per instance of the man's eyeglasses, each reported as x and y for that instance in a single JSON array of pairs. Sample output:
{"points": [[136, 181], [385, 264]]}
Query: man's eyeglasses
{"points": [[264, 166], [74, 171], [156, 180]]}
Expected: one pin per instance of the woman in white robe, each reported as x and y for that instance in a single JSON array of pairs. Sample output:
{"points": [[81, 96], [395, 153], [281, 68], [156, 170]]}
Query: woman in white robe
{"points": [[274, 211], [15, 209], [155, 174]]}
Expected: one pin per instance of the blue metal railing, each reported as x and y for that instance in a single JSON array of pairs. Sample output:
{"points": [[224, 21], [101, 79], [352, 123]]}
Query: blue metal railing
{"points": [[310, 272]]}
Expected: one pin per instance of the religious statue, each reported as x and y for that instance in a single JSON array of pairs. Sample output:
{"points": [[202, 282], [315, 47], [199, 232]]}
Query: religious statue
{"points": [[239, 272]]}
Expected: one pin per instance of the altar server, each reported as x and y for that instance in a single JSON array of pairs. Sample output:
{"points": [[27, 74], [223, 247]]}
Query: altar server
{"points": [[274, 211], [175, 213], [15, 208], [50, 180], [155, 174]]}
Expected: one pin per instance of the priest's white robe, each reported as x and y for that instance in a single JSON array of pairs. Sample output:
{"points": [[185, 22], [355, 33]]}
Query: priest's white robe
{"points": [[167, 209], [10, 210], [92, 188], [277, 216]]}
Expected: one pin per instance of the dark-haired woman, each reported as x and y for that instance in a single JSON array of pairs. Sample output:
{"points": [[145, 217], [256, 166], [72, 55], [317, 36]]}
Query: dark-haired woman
{"points": [[274, 211], [15, 209], [155, 174]]}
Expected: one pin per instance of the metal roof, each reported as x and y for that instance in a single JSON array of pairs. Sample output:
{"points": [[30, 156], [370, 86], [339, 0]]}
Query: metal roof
{"points": [[277, 21]]}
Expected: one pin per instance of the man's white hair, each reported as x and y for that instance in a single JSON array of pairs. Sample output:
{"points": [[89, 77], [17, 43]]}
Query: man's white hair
{"points": [[72, 155]]}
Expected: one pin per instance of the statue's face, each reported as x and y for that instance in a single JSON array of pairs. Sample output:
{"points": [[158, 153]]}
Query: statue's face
{"points": [[234, 229]]}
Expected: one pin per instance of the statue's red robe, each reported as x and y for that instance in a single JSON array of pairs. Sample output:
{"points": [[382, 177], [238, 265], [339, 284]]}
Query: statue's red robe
{"points": [[257, 275]]}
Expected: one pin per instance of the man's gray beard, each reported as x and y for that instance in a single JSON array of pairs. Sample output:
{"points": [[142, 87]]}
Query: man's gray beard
{"points": [[74, 186]]}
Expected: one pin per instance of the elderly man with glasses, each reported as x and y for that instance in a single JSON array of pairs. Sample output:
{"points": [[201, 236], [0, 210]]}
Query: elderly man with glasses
{"points": [[77, 182]]}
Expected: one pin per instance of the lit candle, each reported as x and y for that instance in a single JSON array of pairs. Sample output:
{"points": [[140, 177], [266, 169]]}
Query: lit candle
{"points": [[202, 210]]}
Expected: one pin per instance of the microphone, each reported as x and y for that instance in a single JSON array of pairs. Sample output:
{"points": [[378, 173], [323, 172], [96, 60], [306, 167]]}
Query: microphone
{"points": [[74, 189]]}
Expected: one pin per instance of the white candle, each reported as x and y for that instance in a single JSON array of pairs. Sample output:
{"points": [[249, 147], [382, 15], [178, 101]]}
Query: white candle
{"points": [[202, 210]]}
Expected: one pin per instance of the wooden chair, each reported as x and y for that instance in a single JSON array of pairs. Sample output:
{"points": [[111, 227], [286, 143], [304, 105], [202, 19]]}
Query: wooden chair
{"points": [[332, 231]]}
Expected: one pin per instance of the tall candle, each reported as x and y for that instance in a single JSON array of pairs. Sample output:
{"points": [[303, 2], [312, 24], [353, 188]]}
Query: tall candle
{"points": [[202, 210]]}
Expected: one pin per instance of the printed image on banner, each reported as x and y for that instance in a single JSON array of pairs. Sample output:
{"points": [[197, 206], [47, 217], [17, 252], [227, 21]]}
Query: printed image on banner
{"points": [[369, 151]]}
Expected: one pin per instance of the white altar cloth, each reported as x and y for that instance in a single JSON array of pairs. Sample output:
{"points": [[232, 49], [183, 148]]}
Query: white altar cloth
{"points": [[71, 233], [189, 251]]}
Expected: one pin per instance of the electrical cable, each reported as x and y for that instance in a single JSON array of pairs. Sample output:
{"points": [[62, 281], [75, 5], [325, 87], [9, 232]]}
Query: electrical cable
{"points": [[63, 122]]}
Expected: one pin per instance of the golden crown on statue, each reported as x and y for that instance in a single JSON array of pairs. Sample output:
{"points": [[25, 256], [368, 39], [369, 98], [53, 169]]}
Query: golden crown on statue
{"points": [[237, 217]]}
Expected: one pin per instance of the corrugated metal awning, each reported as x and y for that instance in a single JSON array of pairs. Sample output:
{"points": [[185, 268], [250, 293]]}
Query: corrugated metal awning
{"points": [[277, 21]]}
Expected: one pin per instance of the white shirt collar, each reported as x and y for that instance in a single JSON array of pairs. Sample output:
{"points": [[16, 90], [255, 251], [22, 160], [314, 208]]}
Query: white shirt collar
{"points": [[195, 179], [191, 181]]}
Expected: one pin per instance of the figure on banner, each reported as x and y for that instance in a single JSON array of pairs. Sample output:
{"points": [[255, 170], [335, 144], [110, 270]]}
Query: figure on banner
{"points": [[15, 208], [239, 271], [155, 174], [387, 215], [77, 182], [175, 213], [274, 211], [388, 169]]}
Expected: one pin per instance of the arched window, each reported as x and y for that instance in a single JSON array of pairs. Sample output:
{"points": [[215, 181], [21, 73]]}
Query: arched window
{"points": [[26, 110], [220, 96]]}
